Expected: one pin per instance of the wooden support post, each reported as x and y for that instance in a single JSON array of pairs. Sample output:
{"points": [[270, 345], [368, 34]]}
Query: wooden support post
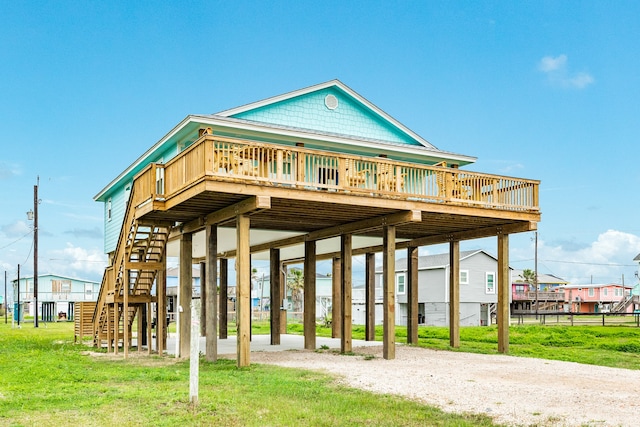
{"points": [[211, 302], [503, 293], [243, 290], [274, 295], [389, 283], [370, 297], [454, 294], [161, 308], [203, 299], [346, 255], [116, 327], [185, 293], [148, 329], [412, 295], [141, 330], [125, 313], [336, 298], [283, 294], [109, 328], [224, 298], [194, 351], [310, 295]]}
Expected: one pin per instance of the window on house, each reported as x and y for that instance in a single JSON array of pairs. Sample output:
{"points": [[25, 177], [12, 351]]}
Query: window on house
{"points": [[400, 284], [592, 292], [490, 283], [605, 291], [464, 277], [160, 180], [127, 191], [109, 210], [88, 291], [618, 292], [61, 286]]}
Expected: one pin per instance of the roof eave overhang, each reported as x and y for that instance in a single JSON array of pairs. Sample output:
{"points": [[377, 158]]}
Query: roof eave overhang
{"points": [[293, 134]]}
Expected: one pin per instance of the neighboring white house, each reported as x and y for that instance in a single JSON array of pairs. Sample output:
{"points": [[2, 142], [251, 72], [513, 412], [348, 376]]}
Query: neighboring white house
{"points": [[173, 275], [478, 281], [56, 295]]}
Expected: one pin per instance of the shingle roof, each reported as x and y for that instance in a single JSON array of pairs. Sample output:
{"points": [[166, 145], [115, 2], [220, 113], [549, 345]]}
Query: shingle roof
{"points": [[433, 261]]}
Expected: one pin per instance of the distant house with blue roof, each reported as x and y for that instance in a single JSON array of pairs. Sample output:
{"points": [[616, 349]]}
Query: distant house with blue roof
{"points": [[57, 295]]}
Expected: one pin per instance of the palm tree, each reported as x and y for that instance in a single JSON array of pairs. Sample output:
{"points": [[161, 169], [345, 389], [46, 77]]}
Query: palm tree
{"points": [[295, 283], [529, 277]]}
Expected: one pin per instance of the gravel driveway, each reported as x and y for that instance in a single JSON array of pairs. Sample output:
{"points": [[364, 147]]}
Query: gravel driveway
{"points": [[512, 390]]}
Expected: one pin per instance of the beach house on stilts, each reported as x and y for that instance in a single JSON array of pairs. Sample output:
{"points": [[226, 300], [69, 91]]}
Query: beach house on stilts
{"points": [[317, 173]]}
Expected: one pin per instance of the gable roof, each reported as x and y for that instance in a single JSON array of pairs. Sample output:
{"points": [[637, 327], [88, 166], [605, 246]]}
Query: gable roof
{"points": [[56, 276], [437, 261], [292, 109], [543, 279], [271, 119]]}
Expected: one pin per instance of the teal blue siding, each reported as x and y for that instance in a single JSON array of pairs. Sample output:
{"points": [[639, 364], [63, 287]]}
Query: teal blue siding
{"points": [[308, 111], [112, 227]]}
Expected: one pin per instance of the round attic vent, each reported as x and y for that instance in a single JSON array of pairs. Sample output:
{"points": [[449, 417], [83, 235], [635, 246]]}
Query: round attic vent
{"points": [[331, 102]]}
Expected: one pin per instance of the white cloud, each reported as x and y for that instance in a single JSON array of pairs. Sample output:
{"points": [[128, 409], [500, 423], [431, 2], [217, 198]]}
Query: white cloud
{"points": [[8, 170], [558, 73], [604, 260], [78, 262], [15, 230], [549, 63], [580, 80]]}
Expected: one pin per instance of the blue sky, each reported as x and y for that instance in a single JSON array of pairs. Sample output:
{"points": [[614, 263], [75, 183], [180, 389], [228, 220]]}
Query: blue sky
{"points": [[541, 90]]}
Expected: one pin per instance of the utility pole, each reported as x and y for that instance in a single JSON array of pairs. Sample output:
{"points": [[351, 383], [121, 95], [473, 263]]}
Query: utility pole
{"points": [[19, 311], [35, 250], [33, 215], [6, 300], [535, 280]]}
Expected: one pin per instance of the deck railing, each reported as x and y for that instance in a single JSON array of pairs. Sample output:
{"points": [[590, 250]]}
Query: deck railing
{"points": [[542, 296], [299, 167]]}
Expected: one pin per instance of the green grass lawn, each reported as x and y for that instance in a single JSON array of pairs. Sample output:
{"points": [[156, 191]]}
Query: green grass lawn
{"points": [[47, 380]]}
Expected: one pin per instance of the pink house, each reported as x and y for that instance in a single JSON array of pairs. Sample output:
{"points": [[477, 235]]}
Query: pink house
{"points": [[598, 298]]}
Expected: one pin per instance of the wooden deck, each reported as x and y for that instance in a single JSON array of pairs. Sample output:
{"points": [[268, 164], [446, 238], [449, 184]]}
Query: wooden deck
{"points": [[223, 184], [307, 190]]}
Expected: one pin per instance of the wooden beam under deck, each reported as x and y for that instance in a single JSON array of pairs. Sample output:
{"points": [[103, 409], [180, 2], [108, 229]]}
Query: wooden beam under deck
{"points": [[350, 228]]}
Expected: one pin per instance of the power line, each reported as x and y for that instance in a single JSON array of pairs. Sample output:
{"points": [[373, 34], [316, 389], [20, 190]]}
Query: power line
{"points": [[579, 262], [16, 241]]}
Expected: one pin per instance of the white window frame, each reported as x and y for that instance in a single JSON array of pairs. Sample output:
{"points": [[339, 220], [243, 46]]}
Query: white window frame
{"points": [[464, 277], [404, 283], [109, 209], [605, 292], [591, 292], [490, 290], [127, 192]]}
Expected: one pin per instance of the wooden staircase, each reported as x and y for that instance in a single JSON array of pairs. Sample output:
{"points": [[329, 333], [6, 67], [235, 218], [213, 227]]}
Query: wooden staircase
{"points": [[622, 306], [127, 284]]}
